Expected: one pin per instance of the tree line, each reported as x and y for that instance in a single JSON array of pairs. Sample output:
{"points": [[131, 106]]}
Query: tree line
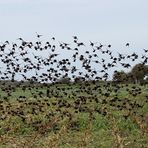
{"points": [[137, 75]]}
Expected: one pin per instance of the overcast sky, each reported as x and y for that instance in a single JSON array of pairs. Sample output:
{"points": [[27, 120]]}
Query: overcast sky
{"points": [[107, 21]]}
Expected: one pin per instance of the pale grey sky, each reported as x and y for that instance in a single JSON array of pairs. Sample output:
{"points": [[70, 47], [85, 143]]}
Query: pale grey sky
{"points": [[107, 21], [114, 22]]}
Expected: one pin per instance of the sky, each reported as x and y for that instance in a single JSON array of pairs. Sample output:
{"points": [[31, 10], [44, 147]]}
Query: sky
{"points": [[114, 22], [107, 21]]}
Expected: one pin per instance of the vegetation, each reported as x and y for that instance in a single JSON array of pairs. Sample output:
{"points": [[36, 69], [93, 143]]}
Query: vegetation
{"points": [[76, 115], [137, 75]]}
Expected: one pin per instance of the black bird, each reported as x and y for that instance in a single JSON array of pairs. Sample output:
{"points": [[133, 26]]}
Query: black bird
{"points": [[38, 35], [127, 44], [75, 37]]}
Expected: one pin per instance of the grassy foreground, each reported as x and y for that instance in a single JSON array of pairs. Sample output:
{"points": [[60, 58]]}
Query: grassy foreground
{"points": [[75, 116]]}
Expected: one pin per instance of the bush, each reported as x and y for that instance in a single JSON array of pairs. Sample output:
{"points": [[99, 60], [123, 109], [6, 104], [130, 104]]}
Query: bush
{"points": [[64, 80]]}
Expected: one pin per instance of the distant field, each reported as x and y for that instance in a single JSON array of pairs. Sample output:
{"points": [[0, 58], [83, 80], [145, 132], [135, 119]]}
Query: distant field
{"points": [[74, 116]]}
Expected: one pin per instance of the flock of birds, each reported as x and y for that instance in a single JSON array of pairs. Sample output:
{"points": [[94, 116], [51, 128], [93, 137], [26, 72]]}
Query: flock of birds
{"points": [[36, 67], [51, 61], [48, 62]]}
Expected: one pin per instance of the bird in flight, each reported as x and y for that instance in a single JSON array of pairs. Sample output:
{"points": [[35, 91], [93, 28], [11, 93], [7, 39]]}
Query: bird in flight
{"points": [[38, 35], [127, 44]]}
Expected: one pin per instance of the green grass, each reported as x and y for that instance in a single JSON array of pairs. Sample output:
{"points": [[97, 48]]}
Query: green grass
{"points": [[117, 120]]}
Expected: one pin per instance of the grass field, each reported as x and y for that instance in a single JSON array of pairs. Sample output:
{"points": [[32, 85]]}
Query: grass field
{"points": [[74, 116]]}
